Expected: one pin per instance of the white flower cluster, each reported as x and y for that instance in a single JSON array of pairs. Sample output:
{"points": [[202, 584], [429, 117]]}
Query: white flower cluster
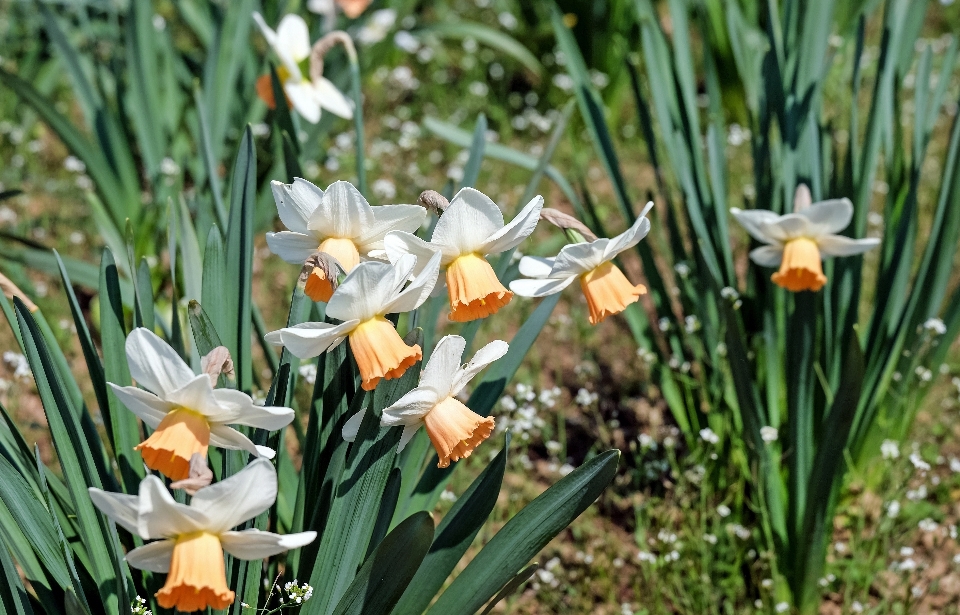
{"points": [[298, 594], [889, 449], [308, 372], [139, 607], [18, 363]]}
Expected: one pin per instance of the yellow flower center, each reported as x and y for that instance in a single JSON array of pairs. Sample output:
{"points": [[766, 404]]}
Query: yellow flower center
{"points": [[197, 578], [344, 250], [178, 436], [475, 292], [455, 430], [800, 268], [608, 291], [380, 352]]}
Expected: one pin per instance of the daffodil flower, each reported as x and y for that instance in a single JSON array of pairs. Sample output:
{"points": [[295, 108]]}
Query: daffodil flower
{"points": [[186, 413], [470, 229], [606, 288], [361, 302], [192, 538], [291, 43], [797, 242], [454, 429], [339, 222]]}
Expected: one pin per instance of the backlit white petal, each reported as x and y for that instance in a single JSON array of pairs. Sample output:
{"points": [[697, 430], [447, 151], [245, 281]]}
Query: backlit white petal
{"points": [[577, 258], [387, 218], [828, 217], [343, 212], [150, 408], [352, 426], [296, 202], [521, 227], [161, 517], [536, 266], [468, 222], [154, 556], [197, 395], [785, 228], [267, 31], [254, 544], [418, 290], [408, 432], [237, 498], [332, 99], [767, 256], [238, 409], [304, 99], [753, 219], [293, 37], [541, 287], [367, 289], [399, 243], [154, 364], [411, 408], [484, 357], [630, 237], [443, 364], [838, 245], [120, 507], [310, 339], [292, 247], [222, 436]]}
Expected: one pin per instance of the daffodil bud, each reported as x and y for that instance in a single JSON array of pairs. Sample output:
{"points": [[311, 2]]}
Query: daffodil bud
{"points": [[11, 290], [200, 475], [576, 231], [217, 362], [802, 198], [434, 201]]}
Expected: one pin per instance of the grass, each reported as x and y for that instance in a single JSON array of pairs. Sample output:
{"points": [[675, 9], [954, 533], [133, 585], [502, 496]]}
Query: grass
{"points": [[660, 540]]}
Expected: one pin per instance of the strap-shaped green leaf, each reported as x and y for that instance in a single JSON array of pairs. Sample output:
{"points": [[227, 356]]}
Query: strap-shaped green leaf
{"points": [[513, 585], [387, 572], [454, 535], [239, 263], [13, 596], [525, 534]]}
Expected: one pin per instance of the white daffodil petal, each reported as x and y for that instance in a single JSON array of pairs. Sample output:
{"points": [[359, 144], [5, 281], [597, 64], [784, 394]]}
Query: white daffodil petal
{"points": [[630, 237], [540, 287], [266, 452], [484, 357], [153, 556], [536, 266], [293, 37], [410, 408], [752, 219], [229, 438], [237, 498], [296, 202], [238, 409], [468, 222], [343, 212], [838, 245], [161, 517], [418, 290], [120, 507], [365, 291], [767, 256], [310, 339], [408, 432], [254, 544], [785, 228], [332, 99], [352, 426], [828, 217], [398, 244], [150, 408], [443, 364], [292, 247], [304, 100], [521, 227], [197, 395], [267, 31], [387, 218], [577, 258], [154, 364]]}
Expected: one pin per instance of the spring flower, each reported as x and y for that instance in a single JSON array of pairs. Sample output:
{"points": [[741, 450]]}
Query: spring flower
{"points": [[605, 287], [291, 43], [470, 229], [339, 222], [192, 538], [353, 8], [797, 242], [370, 292], [186, 413], [454, 429]]}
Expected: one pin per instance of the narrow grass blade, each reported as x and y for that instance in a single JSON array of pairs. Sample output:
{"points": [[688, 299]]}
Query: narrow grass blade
{"points": [[239, 263]]}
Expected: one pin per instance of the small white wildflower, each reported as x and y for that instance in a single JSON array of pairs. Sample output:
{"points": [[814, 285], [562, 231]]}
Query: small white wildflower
{"points": [[586, 398], [781, 607], [893, 509], [650, 558], [928, 525], [682, 269], [448, 496], [169, 167], [919, 463], [554, 447], [406, 41], [507, 20], [723, 510], [646, 441], [664, 324], [565, 469], [18, 363], [384, 189], [889, 449], [856, 607], [840, 547], [906, 551], [308, 372], [766, 583], [710, 539], [916, 591], [691, 324], [768, 434], [707, 435], [508, 403], [74, 164], [935, 326]]}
